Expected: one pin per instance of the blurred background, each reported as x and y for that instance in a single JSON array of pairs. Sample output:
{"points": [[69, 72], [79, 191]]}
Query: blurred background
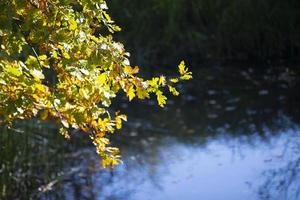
{"points": [[162, 31], [233, 133]]}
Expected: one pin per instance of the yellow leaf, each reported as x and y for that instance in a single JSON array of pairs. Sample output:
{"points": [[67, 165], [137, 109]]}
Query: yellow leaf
{"points": [[142, 93], [153, 82], [129, 70], [174, 80], [118, 123], [101, 79], [66, 55], [187, 76], [173, 90], [123, 117], [54, 54], [72, 24], [93, 38], [36, 97], [131, 93], [161, 99], [40, 87], [162, 81], [42, 57], [107, 16], [182, 68], [94, 124], [84, 92]]}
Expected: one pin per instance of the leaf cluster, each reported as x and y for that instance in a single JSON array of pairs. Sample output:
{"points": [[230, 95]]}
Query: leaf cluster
{"points": [[73, 39]]}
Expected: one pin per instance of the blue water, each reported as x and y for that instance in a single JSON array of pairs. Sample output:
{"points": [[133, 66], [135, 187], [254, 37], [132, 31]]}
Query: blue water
{"points": [[222, 168], [232, 135]]}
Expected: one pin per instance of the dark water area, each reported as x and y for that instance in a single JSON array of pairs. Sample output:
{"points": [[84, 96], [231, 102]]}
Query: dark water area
{"points": [[233, 134]]}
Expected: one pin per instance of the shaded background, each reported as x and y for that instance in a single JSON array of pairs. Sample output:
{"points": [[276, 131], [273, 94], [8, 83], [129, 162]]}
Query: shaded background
{"points": [[158, 32]]}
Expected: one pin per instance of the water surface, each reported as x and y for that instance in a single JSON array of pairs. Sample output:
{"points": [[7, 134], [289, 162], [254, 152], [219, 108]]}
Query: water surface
{"points": [[234, 134]]}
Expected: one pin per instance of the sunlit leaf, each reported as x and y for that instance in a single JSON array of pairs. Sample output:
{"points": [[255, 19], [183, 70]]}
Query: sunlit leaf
{"points": [[56, 66], [37, 74], [173, 90], [101, 79], [73, 24], [161, 99], [131, 93], [182, 68], [13, 70]]}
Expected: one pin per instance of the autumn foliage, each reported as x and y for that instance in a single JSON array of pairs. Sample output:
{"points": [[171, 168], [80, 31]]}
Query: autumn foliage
{"points": [[59, 62]]}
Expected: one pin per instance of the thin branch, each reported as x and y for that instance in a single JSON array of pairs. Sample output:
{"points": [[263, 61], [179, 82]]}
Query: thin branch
{"points": [[31, 46]]}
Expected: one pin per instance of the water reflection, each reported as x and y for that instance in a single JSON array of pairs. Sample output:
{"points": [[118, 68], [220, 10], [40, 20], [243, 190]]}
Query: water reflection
{"points": [[281, 181], [164, 168], [234, 136]]}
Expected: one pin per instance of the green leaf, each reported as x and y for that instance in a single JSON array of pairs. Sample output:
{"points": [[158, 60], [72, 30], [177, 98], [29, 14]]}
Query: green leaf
{"points": [[32, 62], [86, 69], [13, 71]]}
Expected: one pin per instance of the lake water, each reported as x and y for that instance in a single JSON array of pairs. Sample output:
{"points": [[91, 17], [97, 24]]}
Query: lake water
{"points": [[234, 134]]}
